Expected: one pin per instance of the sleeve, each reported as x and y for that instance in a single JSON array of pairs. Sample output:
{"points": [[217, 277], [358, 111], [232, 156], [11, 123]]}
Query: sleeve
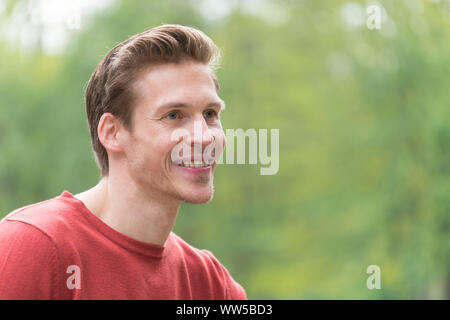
{"points": [[27, 262], [234, 291]]}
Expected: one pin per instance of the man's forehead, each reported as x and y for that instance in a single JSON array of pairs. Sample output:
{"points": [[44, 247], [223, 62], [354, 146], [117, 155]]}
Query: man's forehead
{"points": [[177, 85], [172, 79], [172, 74]]}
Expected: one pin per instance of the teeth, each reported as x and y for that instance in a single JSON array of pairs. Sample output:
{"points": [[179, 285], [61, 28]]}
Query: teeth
{"points": [[194, 164], [197, 164]]}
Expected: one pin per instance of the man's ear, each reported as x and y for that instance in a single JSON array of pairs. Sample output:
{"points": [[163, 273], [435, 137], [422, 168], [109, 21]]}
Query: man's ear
{"points": [[108, 132]]}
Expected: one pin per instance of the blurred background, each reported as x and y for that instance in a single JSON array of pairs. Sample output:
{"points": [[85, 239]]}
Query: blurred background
{"points": [[364, 120]]}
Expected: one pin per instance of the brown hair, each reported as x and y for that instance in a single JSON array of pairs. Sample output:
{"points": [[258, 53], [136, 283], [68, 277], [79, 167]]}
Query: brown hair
{"points": [[109, 88]]}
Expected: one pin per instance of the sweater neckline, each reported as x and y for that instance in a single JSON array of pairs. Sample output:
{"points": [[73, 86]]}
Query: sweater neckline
{"points": [[144, 248]]}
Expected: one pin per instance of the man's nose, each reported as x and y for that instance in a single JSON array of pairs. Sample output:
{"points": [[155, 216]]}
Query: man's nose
{"points": [[200, 135]]}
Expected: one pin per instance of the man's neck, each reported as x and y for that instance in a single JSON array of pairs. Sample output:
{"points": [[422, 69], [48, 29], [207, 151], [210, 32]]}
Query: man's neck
{"points": [[130, 212]]}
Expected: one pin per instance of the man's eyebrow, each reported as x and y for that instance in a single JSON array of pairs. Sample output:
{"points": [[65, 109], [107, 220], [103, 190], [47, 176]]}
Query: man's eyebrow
{"points": [[173, 105]]}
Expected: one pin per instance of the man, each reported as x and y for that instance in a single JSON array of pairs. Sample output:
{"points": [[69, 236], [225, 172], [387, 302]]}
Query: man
{"points": [[152, 108]]}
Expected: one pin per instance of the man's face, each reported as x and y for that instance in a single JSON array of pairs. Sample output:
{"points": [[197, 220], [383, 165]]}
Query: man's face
{"points": [[174, 98]]}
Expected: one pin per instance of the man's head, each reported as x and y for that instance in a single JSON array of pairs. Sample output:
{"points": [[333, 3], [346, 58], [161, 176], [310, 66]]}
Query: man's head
{"points": [[156, 83]]}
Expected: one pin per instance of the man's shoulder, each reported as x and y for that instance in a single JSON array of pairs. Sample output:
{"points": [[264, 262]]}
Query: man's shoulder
{"points": [[206, 260], [48, 216], [32, 239]]}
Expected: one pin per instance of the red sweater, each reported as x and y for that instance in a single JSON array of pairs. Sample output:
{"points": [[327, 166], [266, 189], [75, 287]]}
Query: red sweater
{"points": [[58, 249]]}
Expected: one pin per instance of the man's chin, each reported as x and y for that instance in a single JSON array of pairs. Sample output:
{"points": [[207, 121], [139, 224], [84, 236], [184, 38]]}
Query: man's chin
{"points": [[198, 197]]}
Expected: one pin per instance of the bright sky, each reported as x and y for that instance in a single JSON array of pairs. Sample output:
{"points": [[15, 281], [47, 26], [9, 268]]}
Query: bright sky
{"points": [[51, 23], [50, 20]]}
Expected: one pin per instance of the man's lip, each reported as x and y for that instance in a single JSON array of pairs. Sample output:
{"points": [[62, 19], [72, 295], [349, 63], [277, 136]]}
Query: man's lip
{"points": [[194, 170]]}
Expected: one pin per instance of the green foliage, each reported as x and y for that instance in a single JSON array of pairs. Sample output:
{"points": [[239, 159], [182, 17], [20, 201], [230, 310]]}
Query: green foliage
{"points": [[364, 135]]}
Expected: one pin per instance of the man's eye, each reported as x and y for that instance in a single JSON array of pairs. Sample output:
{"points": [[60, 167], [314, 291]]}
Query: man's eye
{"points": [[173, 115], [210, 114]]}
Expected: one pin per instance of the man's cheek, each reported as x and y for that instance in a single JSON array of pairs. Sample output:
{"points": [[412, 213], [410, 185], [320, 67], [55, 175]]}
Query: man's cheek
{"points": [[220, 146]]}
